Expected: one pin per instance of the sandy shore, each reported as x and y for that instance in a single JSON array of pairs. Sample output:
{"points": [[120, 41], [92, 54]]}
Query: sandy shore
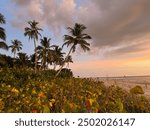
{"points": [[129, 82]]}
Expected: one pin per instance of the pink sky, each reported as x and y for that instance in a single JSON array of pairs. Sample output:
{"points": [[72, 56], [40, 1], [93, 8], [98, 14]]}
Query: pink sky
{"points": [[120, 31], [121, 67]]}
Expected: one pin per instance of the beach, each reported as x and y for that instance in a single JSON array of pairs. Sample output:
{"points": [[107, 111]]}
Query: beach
{"points": [[128, 82]]}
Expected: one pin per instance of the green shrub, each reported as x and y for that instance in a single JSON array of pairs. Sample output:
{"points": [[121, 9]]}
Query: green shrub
{"points": [[111, 99], [21, 90], [137, 90], [137, 104], [19, 76], [66, 73]]}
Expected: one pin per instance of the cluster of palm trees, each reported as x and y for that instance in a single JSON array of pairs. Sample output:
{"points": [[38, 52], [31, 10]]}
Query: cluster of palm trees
{"points": [[46, 54]]}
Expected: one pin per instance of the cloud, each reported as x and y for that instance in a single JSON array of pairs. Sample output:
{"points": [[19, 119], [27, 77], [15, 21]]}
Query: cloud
{"points": [[21, 2], [118, 24], [133, 48], [53, 14], [115, 23]]}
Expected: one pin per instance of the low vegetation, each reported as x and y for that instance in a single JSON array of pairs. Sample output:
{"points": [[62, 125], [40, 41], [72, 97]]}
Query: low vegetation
{"points": [[137, 90], [22, 90]]}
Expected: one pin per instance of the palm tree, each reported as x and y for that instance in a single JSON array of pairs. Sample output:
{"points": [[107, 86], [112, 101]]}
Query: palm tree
{"points": [[16, 46], [43, 51], [58, 56], [3, 45], [33, 32], [69, 60], [77, 37]]}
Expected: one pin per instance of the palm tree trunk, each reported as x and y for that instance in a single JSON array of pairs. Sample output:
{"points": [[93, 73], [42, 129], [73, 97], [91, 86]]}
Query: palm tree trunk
{"points": [[14, 55], [64, 61], [44, 65], [35, 67], [68, 65], [44, 61], [41, 65], [54, 66]]}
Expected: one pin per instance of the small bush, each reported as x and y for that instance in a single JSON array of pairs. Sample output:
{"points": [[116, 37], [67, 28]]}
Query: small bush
{"points": [[137, 90], [136, 104], [65, 73]]}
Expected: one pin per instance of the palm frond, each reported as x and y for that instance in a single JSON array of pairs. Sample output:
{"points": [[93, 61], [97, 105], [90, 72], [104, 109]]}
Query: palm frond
{"points": [[39, 48], [2, 33], [2, 19], [67, 43], [85, 36], [84, 47], [3, 45]]}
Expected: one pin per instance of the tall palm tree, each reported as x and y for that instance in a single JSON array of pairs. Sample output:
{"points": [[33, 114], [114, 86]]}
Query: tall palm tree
{"points": [[33, 32], [3, 45], [77, 37], [16, 46], [43, 50]]}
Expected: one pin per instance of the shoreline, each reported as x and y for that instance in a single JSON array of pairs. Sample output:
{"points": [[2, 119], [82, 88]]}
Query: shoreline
{"points": [[128, 82]]}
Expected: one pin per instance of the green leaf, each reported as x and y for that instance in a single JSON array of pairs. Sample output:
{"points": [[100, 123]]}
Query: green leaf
{"points": [[46, 109]]}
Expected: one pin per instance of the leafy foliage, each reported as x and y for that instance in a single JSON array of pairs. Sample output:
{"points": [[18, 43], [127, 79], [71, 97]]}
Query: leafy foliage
{"points": [[22, 90], [6, 61], [137, 90]]}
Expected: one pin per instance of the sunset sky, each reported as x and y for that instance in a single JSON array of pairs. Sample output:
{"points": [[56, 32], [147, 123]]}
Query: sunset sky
{"points": [[120, 30]]}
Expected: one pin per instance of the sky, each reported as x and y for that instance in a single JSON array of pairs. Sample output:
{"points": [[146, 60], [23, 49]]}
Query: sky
{"points": [[120, 31]]}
